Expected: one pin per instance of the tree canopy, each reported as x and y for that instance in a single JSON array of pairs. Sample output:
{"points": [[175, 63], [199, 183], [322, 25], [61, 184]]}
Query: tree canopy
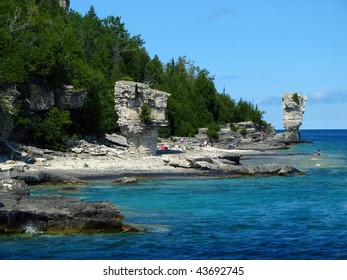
{"points": [[43, 45]]}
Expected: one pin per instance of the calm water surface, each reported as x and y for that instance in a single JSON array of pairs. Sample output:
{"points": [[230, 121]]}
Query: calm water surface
{"points": [[301, 217]]}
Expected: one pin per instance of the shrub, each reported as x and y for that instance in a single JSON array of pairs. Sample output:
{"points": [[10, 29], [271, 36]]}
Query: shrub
{"points": [[233, 127], [296, 98], [145, 115], [164, 132], [23, 122], [243, 132], [212, 131], [185, 129], [52, 130]]}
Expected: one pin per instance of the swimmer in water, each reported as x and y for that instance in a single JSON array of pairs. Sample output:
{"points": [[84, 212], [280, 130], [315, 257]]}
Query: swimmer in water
{"points": [[318, 153]]}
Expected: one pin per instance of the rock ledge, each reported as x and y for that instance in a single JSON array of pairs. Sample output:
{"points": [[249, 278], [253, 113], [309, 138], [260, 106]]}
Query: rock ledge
{"points": [[21, 213]]}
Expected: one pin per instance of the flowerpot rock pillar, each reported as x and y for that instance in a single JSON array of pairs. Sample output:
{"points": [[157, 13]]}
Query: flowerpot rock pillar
{"points": [[130, 99], [293, 106]]}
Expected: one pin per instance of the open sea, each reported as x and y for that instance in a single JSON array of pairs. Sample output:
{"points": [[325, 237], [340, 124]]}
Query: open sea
{"points": [[301, 217]]}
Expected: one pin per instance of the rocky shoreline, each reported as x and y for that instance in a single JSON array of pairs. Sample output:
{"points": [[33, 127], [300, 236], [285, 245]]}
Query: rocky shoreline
{"points": [[108, 159], [21, 213], [38, 166]]}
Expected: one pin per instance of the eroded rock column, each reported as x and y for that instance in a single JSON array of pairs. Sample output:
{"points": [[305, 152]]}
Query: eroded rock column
{"points": [[130, 97], [293, 106]]}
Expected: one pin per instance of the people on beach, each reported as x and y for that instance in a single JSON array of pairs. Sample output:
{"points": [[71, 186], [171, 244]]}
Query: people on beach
{"points": [[162, 147]]}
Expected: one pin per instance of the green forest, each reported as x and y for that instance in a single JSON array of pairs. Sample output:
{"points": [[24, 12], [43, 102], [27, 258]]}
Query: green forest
{"points": [[43, 45]]}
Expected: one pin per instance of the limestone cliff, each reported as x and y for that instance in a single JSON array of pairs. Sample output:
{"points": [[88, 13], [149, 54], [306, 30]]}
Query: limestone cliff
{"points": [[7, 110], [67, 97], [38, 99], [293, 106], [129, 99]]}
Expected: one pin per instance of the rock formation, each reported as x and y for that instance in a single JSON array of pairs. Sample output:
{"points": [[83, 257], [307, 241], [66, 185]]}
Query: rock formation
{"points": [[130, 98], [227, 164], [66, 98], [20, 213], [65, 4], [7, 99], [39, 99], [244, 133], [293, 106]]}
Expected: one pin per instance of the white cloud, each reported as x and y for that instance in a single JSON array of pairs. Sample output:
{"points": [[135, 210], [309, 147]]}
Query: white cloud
{"points": [[330, 96]]}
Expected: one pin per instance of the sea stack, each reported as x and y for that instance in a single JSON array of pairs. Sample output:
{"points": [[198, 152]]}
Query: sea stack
{"points": [[141, 111], [293, 106]]}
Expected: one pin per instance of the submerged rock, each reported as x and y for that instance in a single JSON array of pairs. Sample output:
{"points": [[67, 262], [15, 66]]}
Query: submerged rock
{"points": [[125, 181], [69, 190], [20, 213]]}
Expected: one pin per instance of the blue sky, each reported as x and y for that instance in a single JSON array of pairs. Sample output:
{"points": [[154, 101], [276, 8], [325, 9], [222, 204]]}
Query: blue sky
{"points": [[257, 50]]}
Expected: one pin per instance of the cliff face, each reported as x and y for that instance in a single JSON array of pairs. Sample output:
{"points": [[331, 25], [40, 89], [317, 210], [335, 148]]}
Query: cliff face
{"points": [[293, 106], [39, 99], [129, 99], [7, 111], [66, 97]]}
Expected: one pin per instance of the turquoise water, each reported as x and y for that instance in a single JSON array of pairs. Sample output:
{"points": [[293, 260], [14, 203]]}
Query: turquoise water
{"points": [[301, 217]]}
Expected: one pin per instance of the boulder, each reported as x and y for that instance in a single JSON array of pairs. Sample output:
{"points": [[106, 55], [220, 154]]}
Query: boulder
{"points": [[116, 139], [17, 189], [287, 170], [20, 213]]}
